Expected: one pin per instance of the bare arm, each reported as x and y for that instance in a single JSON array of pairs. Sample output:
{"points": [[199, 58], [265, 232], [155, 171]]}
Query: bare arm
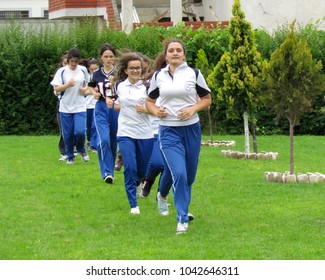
{"points": [[59, 88], [111, 104], [94, 92], [203, 103], [154, 110], [87, 91]]}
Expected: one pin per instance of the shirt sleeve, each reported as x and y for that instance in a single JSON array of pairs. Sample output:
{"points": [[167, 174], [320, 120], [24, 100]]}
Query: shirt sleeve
{"points": [[87, 78], [57, 80], [202, 88], [85, 73], [153, 91], [116, 92]]}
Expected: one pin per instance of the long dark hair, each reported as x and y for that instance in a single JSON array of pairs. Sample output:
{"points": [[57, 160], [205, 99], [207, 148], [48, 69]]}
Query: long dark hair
{"points": [[106, 46], [122, 65], [73, 53], [158, 63]]}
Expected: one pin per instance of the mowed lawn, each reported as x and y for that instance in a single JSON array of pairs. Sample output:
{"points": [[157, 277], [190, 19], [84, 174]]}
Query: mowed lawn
{"points": [[50, 210]]}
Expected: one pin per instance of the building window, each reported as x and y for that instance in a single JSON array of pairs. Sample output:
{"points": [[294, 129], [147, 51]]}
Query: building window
{"points": [[14, 14], [46, 13]]}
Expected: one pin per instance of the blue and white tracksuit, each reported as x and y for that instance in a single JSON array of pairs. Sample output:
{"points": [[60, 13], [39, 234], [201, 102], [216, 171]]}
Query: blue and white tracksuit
{"points": [[105, 120], [179, 140], [135, 135], [72, 108], [91, 129]]}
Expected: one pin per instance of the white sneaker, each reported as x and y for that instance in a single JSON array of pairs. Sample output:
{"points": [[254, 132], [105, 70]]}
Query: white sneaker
{"points": [[70, 161], [63, 158], [181, 228], [162, 205], [135, 210], [139, 191], [85, 157]]}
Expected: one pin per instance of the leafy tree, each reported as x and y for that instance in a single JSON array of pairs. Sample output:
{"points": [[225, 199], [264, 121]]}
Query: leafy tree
{"points": [[236, 76], [292, 79]]}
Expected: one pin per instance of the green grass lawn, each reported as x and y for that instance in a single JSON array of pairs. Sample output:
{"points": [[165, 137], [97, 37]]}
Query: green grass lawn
{"points": [[51, 210]]}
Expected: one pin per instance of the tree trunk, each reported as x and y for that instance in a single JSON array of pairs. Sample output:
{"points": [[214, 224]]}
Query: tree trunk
{"points": [[292, 127], [246, 130], [210, 124], [254, 136]]}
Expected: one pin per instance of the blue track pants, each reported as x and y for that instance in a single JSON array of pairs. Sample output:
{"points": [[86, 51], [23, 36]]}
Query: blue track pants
{"points": [[74, 132], [136, 155], [180, 147], [155, 165], [105, 120]]}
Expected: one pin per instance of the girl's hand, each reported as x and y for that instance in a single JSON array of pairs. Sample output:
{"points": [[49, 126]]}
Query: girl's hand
{"points": [[71, 83], [84, 90], [186, 113], [140, 108], [96, 94], [110, 102], [161, 113]]}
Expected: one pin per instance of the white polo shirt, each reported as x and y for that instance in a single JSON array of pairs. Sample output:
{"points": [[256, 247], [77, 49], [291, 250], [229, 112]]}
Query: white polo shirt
{"points": [[130, 123], [178, 92], [71, 101], [90, 100]]}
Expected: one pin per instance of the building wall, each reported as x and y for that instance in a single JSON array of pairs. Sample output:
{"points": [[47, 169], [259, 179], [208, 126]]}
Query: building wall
{"points": [[267, 14], [36, 7], [270, 14], [104, 9], [37, 24]]}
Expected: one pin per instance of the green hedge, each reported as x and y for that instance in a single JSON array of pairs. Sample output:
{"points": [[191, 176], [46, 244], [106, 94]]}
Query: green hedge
{"points": [[29, 59]]}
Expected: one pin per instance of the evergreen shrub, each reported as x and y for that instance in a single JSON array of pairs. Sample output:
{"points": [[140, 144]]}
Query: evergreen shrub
{"points": [[29, 60]]}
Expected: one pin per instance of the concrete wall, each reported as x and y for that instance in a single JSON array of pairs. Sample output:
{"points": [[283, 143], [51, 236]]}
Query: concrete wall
{"points": [[36, 24], [270, 14]]}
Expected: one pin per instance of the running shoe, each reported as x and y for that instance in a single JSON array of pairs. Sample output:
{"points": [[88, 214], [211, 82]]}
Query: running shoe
{"points": [[181, 228], [109, 179], [190, 217], [162, 205], [85, 157], [63, 158], [147, 184], [135, 210]]}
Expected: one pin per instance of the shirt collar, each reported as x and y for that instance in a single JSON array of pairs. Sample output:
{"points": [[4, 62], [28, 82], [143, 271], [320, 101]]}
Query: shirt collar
{"points": [[137, 84], [183, 65]]}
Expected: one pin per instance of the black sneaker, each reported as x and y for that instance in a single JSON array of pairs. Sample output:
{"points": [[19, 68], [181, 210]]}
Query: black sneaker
{"points": [[119, 163], [190, 217], [145, 192], [146, 187], [109, 179]]}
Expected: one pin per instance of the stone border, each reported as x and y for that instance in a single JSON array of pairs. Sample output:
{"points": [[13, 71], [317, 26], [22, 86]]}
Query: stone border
{"points": [[239, 155], [286, 177], [216, 143]]}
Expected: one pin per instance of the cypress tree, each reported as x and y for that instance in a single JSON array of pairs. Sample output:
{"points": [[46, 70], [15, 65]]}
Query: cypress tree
{"points": [[235, 78]]}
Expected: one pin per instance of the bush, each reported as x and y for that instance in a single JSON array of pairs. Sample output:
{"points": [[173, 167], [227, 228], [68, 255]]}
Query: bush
{"points": [[30, 59]]}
